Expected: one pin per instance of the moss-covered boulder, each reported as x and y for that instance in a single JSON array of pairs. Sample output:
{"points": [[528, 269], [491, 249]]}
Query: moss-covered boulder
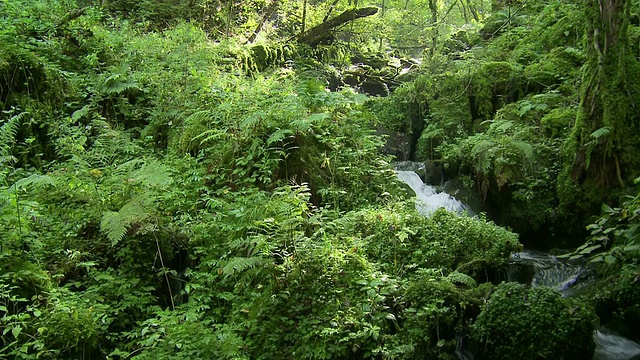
{"points": [[520, 322]]}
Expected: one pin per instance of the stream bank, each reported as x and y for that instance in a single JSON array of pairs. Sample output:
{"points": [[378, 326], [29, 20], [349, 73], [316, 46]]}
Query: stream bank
{"points": [[534, 268]]}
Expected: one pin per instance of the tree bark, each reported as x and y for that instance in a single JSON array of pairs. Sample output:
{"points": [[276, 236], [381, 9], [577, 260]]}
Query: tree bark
{"points": [[434, 22], [304, 16], [322, 32], [608, 100]]}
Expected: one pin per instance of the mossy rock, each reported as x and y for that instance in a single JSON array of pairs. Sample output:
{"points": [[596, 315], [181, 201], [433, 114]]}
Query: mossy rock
{"points": [[559, 65], [520, 322], [558, 121], [618, 299]]}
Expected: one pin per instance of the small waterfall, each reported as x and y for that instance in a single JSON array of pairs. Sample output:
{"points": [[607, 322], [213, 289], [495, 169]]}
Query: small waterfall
{"points": [[610, 346], [428, 197]]}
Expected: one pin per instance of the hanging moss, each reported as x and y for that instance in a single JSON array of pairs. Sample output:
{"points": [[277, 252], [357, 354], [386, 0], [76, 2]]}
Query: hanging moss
{"points": [[492, 85], [263, 56]]}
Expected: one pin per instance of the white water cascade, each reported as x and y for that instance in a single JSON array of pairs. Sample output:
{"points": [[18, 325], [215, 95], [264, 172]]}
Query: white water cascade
{"points": [[428, 198], [610, 346]]}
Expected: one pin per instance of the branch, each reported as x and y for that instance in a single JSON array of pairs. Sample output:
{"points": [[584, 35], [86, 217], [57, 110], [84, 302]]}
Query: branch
{"points": [[318, 34], [271, 9]]}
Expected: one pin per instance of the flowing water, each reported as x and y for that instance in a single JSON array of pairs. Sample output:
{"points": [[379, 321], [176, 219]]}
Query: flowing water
{"points": [[610, 346], [539, 268], [429, 199], [535, 268]]}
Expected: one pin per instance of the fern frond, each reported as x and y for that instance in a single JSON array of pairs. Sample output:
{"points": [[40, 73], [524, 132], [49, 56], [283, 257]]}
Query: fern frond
{"points": [[8, 133], [201, 117], [34, 180], [482, 147], [211, 135], [601, 132], [461, 278], [240, 264], [525, 150], [278, 136], [114, 226], [109, 146], [153, 173], [305, 124], [116, 88]]}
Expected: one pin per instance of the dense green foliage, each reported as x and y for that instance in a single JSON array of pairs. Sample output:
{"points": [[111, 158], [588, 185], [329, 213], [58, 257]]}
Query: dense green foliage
{"points": [[190, 179], [516, 323]]}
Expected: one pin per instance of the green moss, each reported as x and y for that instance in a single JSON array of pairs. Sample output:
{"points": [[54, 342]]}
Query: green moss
{"points": [[519, 322], [558, 122], [402, 241], [559, 65], [492, 85]]}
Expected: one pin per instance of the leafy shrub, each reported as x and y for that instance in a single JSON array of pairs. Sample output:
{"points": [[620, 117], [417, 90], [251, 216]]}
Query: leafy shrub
{"points": [[519, 322], [293, 131], [26, 281], [436, 308], [402, 241]]}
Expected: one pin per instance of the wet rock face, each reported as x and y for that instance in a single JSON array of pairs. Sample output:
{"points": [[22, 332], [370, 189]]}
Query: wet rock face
{"points": [[397, 143], [433, 173]]}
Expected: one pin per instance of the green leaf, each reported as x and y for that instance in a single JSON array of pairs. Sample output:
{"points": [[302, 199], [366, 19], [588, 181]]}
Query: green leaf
{"points": [[15, 331], [590, 249], [441, 343], [607, 209], [603, 131], [114, 226]]}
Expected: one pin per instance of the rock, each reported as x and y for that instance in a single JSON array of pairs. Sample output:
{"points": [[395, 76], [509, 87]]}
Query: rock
{"points": [[397, 143], [433, 174]]}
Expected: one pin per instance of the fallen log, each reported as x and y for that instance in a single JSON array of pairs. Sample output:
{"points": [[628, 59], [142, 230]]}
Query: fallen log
{"points": [[324, 31]]}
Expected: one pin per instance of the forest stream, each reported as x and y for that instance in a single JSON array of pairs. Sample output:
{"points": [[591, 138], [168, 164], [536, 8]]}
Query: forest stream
{"points": [[536, 268]]}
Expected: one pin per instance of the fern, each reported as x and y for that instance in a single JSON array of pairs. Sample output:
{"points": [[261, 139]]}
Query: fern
{"points": [[240, 264], [116, 224], [461, 278], [201, 117], [8, 133], [34, 180], [278, 136], [601, 132], [306, 123], [211, 135], [118, 83], [152, 173]]}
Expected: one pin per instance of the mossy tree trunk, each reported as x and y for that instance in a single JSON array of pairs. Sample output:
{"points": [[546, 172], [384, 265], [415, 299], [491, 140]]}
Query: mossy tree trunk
{"points": [[433, 7], [606, 134]]}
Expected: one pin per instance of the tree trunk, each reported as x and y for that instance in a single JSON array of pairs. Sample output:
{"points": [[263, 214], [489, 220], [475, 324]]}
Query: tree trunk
{"points": [[607, 126], [434, 20], [304, 16], [322, 32]]}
